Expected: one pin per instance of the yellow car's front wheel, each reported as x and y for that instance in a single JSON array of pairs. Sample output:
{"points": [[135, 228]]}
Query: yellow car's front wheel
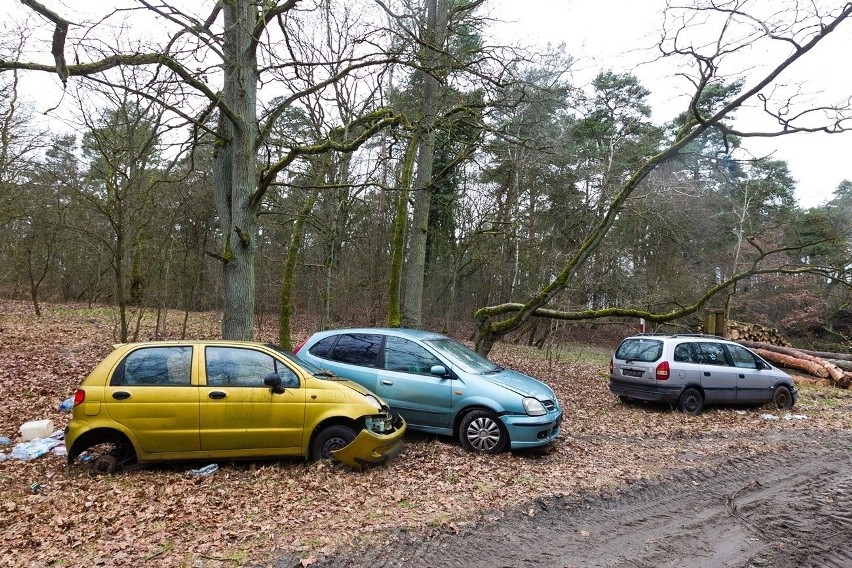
{"points": [[331, 439]]}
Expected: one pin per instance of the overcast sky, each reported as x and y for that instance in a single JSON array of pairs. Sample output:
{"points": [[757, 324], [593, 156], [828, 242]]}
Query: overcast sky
{"points": [[603, 34], [616, 34]]}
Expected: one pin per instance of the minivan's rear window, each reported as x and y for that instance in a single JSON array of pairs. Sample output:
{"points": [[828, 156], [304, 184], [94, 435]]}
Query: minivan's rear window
{"points": [[640, 349]]}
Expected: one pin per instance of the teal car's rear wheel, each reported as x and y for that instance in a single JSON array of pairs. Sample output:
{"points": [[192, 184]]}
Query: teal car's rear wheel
{"points": [[481, 431], [331, 439]]}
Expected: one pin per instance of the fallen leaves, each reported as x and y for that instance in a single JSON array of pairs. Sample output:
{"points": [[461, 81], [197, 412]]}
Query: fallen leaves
{"points": [[251, 512]]}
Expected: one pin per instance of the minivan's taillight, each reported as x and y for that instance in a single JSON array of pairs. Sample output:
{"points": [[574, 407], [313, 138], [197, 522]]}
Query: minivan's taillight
{"points": [[662, 373], [79, 396]]}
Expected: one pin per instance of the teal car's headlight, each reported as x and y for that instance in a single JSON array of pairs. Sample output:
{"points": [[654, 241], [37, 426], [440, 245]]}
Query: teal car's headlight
{"points": [[534, 407], [373, 401]]}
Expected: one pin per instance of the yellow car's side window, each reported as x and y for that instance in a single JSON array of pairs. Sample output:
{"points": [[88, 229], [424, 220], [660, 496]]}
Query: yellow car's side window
{"points": [[160, 366], [231, 366]]}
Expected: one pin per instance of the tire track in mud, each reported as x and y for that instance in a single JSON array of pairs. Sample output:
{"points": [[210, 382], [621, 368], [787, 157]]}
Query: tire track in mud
{"points": [[790, 508]]}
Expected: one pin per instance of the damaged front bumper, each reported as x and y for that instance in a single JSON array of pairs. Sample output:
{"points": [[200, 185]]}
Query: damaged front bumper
{"points": [[370, 448]]}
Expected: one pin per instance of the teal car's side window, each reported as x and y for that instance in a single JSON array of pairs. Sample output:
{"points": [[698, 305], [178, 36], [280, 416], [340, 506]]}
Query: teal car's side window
{"points": [[357, 349], [408, 357], [161, 366]]}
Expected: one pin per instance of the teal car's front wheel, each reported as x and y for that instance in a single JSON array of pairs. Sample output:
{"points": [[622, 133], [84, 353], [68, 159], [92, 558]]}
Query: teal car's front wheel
{"points": [[481, 431]]}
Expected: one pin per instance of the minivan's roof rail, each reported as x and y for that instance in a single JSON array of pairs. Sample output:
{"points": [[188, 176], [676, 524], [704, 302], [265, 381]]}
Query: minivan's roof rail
{"points": [[648, 334]]}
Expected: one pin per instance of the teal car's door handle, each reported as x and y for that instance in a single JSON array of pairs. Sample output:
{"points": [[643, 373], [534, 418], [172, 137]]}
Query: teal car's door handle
{"points": [[386, 382], [216, 395]]}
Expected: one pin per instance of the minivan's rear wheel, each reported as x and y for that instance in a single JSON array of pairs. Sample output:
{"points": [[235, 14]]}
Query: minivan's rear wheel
{"points": [[329, 440], [782, 398], [691, 401], [481, 431]]}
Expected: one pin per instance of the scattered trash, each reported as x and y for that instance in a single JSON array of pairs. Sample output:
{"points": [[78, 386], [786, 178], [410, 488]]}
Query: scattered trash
{"points": [[36, 429], [789, 416], [85, 457], [33, 449], [4, 441], [66, 405], [769, 417], [60, 450], [740, 412], [206, 470], [35, 488], [3, 457]]}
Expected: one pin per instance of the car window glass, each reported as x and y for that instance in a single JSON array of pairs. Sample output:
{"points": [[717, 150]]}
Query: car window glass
{"points": [[684, 353], [712, 353], [742, 357], [233, 366], [640, 349], [322, 348], [357, 349], [408, 357], [462, 357], [168, 366]]}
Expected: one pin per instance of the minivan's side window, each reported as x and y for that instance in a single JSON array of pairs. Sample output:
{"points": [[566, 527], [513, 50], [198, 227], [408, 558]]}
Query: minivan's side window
{"points": [[230, 366], [742, 357], [685, 353], [357, 349], [712, 353], [408, 357], [154, 366]]}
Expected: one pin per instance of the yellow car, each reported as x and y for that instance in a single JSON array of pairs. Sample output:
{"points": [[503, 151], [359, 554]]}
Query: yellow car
{"points": [[205, 400]]}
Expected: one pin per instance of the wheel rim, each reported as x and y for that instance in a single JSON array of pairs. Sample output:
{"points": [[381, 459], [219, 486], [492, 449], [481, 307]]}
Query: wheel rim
{"points": [[781, 399], [332, 445], [690, 403], [483, 434]]}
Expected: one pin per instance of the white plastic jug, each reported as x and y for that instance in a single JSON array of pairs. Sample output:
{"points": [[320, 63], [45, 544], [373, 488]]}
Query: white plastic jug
{"points": [[36, 429]]}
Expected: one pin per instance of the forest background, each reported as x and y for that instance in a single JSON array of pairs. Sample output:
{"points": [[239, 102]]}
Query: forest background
{"points": [[394, 163]]}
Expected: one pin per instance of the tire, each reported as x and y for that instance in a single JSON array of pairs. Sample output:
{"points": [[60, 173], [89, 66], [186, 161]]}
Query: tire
{"points": [[107, 458], [691, 402], [481, 431], [782, 398], [331, 439]]}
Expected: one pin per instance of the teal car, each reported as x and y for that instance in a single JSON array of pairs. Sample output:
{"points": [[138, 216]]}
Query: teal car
{"points": [[440, 386]]}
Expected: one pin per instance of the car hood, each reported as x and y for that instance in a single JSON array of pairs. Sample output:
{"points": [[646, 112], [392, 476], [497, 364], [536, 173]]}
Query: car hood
{"points": [[520, 383]]}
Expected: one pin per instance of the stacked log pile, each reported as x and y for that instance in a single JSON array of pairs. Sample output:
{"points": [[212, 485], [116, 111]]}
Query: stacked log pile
{"points": [[824, 368], [740, 331]]}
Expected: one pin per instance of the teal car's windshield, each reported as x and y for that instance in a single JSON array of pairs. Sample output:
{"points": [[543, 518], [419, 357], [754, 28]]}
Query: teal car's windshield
{"points": [[467, 359]]}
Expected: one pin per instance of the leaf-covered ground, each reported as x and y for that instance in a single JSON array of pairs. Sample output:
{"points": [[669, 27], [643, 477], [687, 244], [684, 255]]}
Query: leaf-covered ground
{"points": [[253, 512]]}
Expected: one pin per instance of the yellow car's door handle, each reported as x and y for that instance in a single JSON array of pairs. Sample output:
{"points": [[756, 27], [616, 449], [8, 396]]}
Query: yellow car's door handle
{"points": [[216, 395]]}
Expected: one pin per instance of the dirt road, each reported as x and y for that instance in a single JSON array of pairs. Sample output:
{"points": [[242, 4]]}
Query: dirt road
{"points": [[791, 508]]}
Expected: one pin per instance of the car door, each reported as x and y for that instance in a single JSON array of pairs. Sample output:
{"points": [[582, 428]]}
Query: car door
{"points": [[152, 394], [718, 376], [239, 412], [753, 383], [407, 384]]}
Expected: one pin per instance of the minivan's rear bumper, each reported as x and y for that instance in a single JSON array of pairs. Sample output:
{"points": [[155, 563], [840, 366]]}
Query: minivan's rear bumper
{"points": [[657, 392]]}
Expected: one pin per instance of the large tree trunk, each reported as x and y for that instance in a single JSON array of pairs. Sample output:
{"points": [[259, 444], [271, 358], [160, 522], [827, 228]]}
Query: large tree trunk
{"points": [[436, 33], [234, 170]]}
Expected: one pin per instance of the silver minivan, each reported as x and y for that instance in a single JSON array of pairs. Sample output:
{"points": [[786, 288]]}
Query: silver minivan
{"points": [[694, 370]]}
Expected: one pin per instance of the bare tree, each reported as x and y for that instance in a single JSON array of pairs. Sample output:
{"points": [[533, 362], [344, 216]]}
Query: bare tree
{"points": [[213, 66], [739, 26]]}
